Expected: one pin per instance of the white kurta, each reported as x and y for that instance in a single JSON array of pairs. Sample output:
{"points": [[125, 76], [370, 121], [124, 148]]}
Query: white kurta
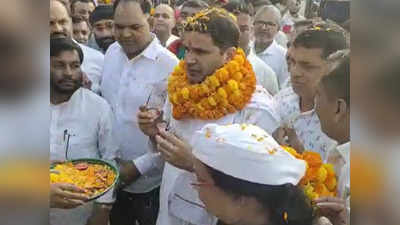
{"points": [[275, 57], [179, 202], [266, 77], [127, 84], [340, 158], [92, 65], [88, 118], [306, 124]]}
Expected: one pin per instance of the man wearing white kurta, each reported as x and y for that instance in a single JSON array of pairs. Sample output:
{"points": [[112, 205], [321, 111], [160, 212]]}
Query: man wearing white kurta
{"points": [[61, 27], [266, 77], [81, 123], [179, 202], [333, 109], [266, 28], [135, 74]]}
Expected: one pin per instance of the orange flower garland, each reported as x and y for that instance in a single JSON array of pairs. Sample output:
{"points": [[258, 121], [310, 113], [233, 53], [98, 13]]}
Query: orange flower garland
{"points": [[320, 179], [227, 90]]}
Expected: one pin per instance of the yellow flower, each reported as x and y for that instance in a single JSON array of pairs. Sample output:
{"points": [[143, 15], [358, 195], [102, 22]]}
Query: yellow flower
{"points": [[239, 59], [331, 183], [222, 74], [222, 92], [330, 169], [214, 81], [322, 174], [233, 85], [175, 98], [233, 66], [211, 101], [238, 76], [185, 93]]}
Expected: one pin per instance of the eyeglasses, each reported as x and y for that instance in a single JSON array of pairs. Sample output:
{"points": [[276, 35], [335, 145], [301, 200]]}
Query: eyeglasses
{"points": [[264, 23]]}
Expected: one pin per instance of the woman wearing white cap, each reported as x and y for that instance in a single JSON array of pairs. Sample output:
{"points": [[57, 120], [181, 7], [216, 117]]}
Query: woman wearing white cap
{"points": [[245, 178]]}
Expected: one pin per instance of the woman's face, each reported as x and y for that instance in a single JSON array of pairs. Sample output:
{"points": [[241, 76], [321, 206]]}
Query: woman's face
{"points": [[217, 202]]}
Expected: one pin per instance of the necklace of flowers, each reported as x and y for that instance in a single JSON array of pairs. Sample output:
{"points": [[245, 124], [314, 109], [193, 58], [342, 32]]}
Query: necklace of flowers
{"points": [[227, 90]]}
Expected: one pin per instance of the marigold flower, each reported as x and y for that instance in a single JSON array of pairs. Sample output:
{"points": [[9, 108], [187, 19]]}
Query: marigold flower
{"points": [[185, 93], [322, 174], [330, 169], [212, 101], [331, 183], [233, 85], [214, 81], [233, 67], [237, 76]]}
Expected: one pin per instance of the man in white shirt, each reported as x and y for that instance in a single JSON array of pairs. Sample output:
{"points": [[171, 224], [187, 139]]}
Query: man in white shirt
{"points": [[135, 74], [300, 126], [333, 109], [85, 119], [211, 42], [266, 26], [244, 14], [61, 26], [164, 22]]}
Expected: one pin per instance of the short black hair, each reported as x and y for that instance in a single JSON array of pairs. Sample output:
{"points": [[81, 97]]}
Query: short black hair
{"points": [[219, 23], [145, 5], [198, 4], [84, 1], [337, 82], [101, 12], [276, 200], [239, 6], [328, 36], [59, 45]]}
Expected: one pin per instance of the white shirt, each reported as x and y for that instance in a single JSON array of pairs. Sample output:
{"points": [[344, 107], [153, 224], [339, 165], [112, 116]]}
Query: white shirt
{"points": [[265, 75], [282, 39], [92, 65], [88, 118], [339, 157], [306, 124], [275, 57], [179, 202], [171, 39], [127, 84]]}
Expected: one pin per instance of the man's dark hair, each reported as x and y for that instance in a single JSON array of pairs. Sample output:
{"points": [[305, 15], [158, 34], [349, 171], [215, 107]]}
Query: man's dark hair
{"points": [[101, 12], [84, 1], [276, 200], [59, 45], [145, 5], [197, 4], [239, 6], [220, 24], [337, 82], [327, 36]]}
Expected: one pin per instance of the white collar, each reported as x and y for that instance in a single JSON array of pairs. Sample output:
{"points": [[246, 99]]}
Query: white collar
{"points": [[71, 99], [270, 50], [150, 52]]}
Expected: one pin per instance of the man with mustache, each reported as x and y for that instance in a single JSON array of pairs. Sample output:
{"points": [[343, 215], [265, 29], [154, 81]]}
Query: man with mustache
{"points": [[203, 89], [164, 22], [300, 126], [135, 74], [81, 30], [61, 27], [86, 120], [266, 27], [82, 8], [102, 22]]}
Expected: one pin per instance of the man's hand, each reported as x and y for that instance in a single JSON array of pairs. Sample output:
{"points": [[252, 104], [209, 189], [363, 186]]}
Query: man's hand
{"points": [[148, 119], [174, 150], [334, 209], [128, 172], [66, 196], [287, 136]]}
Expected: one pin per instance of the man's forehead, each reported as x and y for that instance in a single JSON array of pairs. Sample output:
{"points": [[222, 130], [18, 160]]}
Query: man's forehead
{"points": [[198, 40], [57, 10], [128, 11], [267, 16], [67, 55], [307, 54]]}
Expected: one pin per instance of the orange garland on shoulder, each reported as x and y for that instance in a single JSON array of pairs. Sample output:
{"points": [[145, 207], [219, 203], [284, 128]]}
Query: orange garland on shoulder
{"points": [[227, 90]]}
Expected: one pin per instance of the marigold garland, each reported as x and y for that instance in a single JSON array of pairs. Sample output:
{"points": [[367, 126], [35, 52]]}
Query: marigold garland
{"points": [[320, 178], [227, 90]]}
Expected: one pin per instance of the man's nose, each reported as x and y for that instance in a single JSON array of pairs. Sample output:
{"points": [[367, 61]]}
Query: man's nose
{"points": [[125, 33]]}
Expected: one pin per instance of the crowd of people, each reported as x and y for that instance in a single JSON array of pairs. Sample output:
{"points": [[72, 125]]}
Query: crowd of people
{"points": [[193, 100]]}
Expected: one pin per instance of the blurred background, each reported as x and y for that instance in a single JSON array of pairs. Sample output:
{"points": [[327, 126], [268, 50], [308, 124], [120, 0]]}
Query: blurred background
{"points": [[375, 128]]}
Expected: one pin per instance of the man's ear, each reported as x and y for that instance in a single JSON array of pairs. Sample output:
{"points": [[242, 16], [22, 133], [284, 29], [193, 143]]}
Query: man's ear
{"points": [[341, 110], [229, 54]]}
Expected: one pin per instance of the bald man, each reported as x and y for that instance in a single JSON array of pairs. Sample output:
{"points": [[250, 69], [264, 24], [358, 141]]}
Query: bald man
{"points": [[164, 22]]}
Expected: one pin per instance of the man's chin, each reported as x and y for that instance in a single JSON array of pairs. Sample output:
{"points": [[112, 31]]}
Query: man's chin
{"points": [[54, 36]]}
